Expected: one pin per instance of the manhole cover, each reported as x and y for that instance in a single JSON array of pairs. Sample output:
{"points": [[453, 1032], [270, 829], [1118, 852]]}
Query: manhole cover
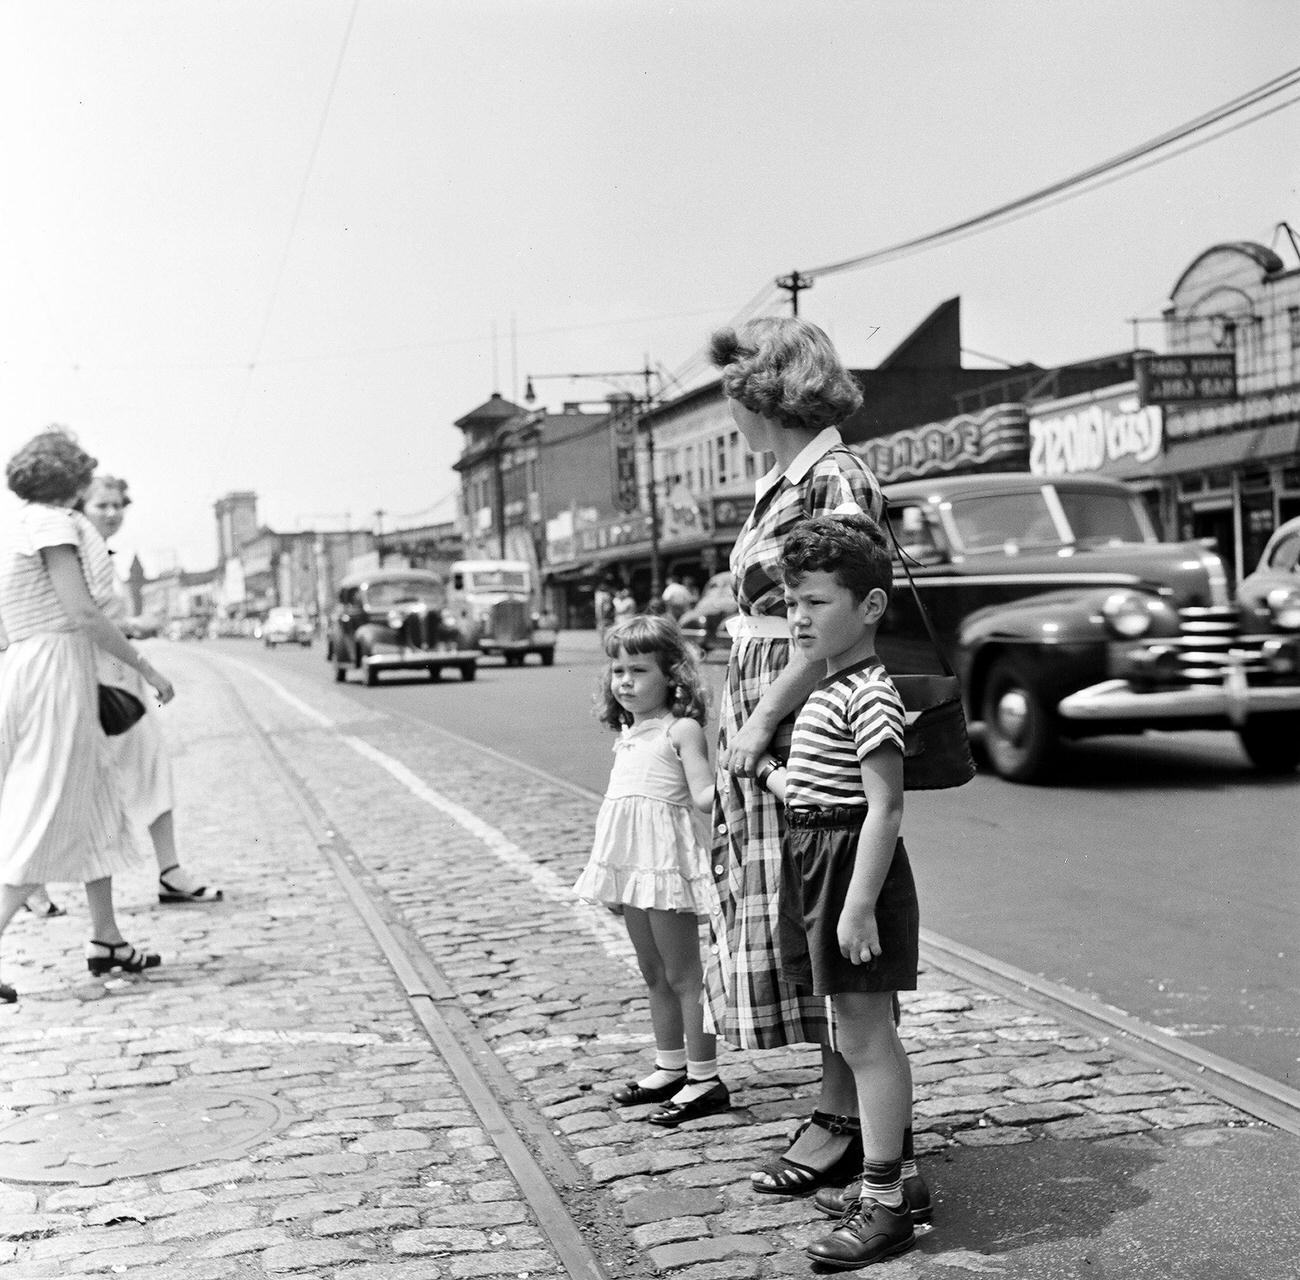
{"points": [[130, 1134]]}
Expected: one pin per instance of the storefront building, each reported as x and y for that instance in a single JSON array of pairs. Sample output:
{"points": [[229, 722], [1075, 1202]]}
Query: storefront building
{"points": [[1231, 466]]}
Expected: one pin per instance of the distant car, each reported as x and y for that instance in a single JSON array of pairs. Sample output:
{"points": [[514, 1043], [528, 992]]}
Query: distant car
{"points": [[1066, 617], [397, 620], [286, 626], [143, 627], [1272, 592], [704, 623]]}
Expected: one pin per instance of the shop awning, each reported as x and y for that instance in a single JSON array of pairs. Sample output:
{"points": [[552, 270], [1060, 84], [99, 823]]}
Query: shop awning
{"points": [[1277, 442]]}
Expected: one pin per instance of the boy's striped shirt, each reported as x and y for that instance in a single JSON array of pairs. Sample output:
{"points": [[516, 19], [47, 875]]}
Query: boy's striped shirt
{"points": [[847, 717]]}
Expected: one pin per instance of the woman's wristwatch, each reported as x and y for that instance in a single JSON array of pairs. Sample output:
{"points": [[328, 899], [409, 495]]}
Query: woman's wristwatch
{"points": [[762, 776]]}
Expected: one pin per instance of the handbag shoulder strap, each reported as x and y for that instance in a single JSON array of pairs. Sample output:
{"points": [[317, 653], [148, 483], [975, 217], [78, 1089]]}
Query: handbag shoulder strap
{"points": [[916, 595]]}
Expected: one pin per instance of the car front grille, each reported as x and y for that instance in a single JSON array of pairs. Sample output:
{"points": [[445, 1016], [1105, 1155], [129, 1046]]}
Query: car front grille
{"points": [[1210, 642]]}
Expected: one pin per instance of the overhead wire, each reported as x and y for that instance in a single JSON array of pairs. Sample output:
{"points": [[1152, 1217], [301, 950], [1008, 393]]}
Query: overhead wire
{"points": [[1016, 208]]}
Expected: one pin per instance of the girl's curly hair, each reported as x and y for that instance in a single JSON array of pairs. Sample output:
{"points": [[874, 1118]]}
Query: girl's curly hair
{"points": [[661, 636], [51, 467], [787, 370]]}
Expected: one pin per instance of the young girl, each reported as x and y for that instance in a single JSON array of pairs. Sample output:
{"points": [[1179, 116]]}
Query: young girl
{"points": [[648, 860]]}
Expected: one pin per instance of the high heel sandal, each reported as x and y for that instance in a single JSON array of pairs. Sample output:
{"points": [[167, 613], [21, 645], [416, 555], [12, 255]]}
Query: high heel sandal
{"points": [[174, 893], [7, 994], [129, 961], [786, 1177]]}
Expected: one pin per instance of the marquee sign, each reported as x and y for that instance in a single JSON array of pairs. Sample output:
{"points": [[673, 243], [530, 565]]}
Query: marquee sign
{"points": [[995, 439], [622, 432], [1110, 433]]}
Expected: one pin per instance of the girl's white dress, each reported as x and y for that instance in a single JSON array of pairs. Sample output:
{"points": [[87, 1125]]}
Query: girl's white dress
{"points": [[649, 850]]}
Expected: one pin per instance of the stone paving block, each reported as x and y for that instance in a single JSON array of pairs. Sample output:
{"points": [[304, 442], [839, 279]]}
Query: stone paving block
{"points": [[207, 1221], [670, 1257], [1094, 1126], [145, 1208], [364, 1220], [317, 1202], [1038, 1074], [732, 1269], [669, 1231], [22, 1226], [534, 1263], [1033, 1113], [121, 1260], [302, 1254], [492, 1213], [659, 1205], [424, 1269], [391, 1140], [439, 1240], [1184, 1117]]}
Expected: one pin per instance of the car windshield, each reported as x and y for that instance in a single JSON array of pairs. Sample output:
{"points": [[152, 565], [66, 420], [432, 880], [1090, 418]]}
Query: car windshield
{"points": [[384, 595], [496, 580], [991, 522]]}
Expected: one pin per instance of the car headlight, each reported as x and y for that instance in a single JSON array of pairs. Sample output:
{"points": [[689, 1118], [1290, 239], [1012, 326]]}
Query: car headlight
{"points": [[1284, 605], [1127, 614]]}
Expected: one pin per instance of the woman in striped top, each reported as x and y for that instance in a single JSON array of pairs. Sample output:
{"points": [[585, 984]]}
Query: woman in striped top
{"points": [[62, 816], [788, 391]]}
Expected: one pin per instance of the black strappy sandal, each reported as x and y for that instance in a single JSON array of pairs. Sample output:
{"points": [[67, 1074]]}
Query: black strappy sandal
{"points": [[786, 1177], [170, 893], [122, 958]]}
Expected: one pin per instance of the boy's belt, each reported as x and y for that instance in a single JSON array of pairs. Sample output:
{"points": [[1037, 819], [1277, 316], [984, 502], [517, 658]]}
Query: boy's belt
{"points": [[762, 627]]}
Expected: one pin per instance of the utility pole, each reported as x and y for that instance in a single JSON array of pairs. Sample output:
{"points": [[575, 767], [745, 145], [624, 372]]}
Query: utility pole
{"points": [[379, 535], [794, 284]]}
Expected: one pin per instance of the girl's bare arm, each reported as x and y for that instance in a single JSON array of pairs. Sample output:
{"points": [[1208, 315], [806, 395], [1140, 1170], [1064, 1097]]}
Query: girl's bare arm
{"points": [[687, 736]]}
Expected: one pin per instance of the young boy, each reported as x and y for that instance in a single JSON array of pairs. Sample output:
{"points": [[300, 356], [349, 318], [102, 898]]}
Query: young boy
{"points": [[848, 912]]}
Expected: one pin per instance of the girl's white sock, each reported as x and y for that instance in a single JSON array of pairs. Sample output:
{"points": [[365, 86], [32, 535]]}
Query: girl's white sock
{"points": [[669, 1065], [700, 1078]]}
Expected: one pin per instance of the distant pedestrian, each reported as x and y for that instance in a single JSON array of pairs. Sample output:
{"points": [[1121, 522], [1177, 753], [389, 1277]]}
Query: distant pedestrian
{"points": [[677, 597], [143, 764], [602, 602], [648, 859], [624, 605], [848, 922], [62, 815]]}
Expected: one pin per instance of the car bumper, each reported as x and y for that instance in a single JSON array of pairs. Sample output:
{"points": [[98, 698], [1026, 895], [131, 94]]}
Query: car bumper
{"points": [[1233, 702], [538, 640], [420, 659]]}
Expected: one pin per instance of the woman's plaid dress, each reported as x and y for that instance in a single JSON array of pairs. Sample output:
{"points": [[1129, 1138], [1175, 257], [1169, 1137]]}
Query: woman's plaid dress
{"points": [[748, 1004]]}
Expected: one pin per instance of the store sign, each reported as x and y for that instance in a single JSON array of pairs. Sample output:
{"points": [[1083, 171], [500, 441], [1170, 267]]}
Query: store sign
{"points": [[731, 513], [613, 533], [995, 439], [1186, 379], [622, 431], [1113, 434], [1252, 411]]}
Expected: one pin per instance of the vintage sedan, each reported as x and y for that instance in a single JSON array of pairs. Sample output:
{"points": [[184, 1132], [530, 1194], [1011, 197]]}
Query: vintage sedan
{"points": [[287, 626], [396, 620], [1272, 592], [1066, 617], [704, 623]]}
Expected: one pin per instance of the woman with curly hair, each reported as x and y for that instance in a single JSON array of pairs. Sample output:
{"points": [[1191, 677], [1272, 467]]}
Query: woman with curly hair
{"points": [[62, 815], [788, 392], [144, 767]]}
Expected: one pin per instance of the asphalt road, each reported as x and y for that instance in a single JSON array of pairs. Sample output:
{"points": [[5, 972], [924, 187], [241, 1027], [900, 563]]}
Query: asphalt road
{"points": [[1159, 875]]}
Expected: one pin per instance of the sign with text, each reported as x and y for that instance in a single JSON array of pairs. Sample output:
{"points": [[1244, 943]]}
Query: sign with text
{"points": [[1108, 434], [622, 431], [995, 439], [1186, 379]]}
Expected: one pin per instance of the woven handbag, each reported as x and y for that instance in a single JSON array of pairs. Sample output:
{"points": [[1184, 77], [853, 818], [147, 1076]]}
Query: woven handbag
{"points": [[936, 745], [118, 709]]}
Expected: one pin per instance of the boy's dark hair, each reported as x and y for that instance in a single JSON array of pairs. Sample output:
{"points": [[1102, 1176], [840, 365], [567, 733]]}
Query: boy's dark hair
{"points": [[853, 547]]}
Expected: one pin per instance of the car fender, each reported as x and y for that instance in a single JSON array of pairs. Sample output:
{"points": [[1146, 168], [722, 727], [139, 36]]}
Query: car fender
{"points": [[370, 637]]}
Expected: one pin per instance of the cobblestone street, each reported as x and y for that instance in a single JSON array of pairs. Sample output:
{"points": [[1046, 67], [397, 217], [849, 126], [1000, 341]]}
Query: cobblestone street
{"points": [[268, 1102]]}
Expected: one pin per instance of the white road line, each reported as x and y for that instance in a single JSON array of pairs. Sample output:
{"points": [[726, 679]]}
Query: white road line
{"points": [[613, 940]]}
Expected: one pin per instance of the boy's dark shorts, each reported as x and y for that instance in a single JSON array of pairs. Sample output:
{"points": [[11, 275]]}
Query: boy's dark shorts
{"points": [[818, 856]]}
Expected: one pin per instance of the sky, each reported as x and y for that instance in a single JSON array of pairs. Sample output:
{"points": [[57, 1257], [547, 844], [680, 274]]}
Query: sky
{"points": [[282, 245]]}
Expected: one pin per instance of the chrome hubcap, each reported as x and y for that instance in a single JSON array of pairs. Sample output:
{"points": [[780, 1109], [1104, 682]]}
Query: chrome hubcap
{"points": [[1013, 712]]}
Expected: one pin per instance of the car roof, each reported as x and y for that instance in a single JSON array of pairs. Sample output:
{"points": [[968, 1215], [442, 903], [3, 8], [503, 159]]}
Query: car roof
{"points": [[374, 577], [473, 566], [940, 487]]}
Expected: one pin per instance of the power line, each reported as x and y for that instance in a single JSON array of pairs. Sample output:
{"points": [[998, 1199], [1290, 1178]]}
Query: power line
{"points": [[1022, 204]]}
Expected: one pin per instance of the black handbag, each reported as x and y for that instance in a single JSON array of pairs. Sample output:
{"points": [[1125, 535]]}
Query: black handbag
{"points": [[118, 709], [936, 744]]}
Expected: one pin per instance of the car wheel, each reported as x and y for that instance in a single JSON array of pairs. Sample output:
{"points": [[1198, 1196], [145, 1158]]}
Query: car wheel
{"points": [[468, 670], [1272, 743], [547, 656], [513, 659], [435, 673], [340, 673], [1019, 731]]}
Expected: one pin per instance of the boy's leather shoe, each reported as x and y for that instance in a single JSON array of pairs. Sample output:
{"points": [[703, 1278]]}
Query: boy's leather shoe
{"points": [[869, 1232], [916, 1195]]}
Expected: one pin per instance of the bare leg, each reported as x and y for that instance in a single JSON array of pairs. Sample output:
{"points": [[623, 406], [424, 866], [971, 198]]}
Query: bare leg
{"points": [[677, 941], [870, 1044], [103, 920], [162, 831], [665, 1007], [182, 885]]}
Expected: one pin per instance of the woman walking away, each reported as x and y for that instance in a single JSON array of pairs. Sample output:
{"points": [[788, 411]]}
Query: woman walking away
{"points": [[140, 754], [648, 861], [61, 814]]}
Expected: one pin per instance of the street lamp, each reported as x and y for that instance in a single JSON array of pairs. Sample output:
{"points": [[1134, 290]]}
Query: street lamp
{"points": [[644, 403]]}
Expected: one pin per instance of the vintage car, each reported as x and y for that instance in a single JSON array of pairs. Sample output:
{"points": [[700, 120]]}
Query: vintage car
{"points": [[1066, 618], [286, 626], [704, 623], [493, 599], [1272, 592], [396, 620]]}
